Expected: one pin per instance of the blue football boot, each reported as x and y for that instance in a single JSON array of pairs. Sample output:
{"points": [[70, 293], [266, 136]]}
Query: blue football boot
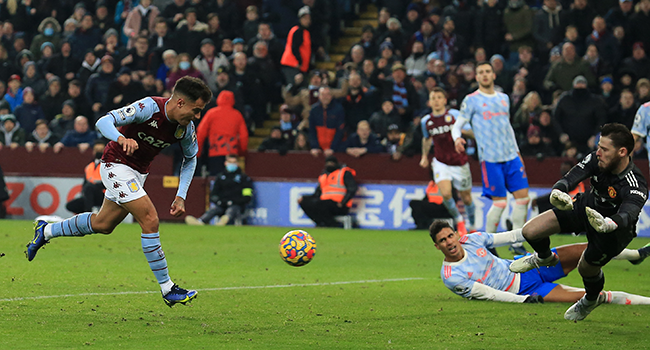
{"points": [[179, 295], [38, 241]]}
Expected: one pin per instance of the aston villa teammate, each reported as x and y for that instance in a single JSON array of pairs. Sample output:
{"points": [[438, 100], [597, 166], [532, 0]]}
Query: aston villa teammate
{"points": [[146, 127], [449, 167]]}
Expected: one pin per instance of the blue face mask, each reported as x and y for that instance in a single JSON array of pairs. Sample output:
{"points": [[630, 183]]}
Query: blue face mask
{"points": [[231, 167], [285, 125], [48, 31], [184, 65]]}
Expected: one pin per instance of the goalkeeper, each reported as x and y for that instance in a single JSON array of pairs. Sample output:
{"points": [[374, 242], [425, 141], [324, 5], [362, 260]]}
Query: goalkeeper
{"points": [[608, 213]]}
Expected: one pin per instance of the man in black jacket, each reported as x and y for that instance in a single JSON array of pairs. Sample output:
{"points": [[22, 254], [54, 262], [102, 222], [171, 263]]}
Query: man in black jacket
{"points": [[579, 114], [231, 191]]}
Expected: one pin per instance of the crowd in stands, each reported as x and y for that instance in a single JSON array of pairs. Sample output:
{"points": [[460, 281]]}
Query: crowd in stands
{"points": [[568, 66]]}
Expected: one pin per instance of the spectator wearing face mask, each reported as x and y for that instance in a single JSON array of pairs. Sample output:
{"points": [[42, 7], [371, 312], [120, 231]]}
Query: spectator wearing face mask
{"points": [[231, 192], [49, 31]]}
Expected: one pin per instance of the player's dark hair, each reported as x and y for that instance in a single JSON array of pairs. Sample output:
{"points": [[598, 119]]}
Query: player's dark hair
{"points": [[440, 90], [620, 136], [232, 155], [436, 227], [193, 89], [483, 63]]}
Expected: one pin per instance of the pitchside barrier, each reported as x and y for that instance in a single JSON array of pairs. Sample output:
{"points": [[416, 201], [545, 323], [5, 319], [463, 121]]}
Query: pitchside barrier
{"points": [[42, 183]]}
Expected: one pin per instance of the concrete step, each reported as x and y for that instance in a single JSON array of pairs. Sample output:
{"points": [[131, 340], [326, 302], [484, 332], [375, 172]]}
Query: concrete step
{"points": [[372, 8], [362, 22], [254, 142], [270, 123], [352, 31], [275, 115], [262, 132], [337, 57], [326, 65], [340, 49], [348, 41], [369, 15]]}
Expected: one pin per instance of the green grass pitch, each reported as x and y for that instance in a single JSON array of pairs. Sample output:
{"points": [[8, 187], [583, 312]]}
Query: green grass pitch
{"points": [[364, 290]]}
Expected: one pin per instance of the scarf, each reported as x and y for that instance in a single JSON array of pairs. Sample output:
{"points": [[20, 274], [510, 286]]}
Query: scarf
{"points": [[591, 62], [553, 15], [143, 11], [10, 134], [94, 66], [399, 95], [445, 46], [41, 139], [597, 35]]}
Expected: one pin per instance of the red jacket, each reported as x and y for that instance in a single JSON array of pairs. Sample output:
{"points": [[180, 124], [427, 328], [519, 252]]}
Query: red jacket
{"points": [[224, 127]]}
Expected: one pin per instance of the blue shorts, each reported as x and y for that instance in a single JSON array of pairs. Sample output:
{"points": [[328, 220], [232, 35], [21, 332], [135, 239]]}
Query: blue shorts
{"points": [[540, 281], [501, 178]]}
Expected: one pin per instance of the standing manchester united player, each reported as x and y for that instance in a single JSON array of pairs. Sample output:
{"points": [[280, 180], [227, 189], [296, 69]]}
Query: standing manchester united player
{"points": [[146, 127]]}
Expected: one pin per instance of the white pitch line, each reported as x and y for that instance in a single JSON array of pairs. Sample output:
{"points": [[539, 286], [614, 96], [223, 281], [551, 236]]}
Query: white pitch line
{"points": [[218, 289]]}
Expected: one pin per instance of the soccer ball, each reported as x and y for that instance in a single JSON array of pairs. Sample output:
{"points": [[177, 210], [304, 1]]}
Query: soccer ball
{"points": [[297, 248]]}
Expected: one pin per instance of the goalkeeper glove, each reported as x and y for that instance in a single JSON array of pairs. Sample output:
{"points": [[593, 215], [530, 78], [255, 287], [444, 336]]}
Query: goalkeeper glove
{"points": [[561, 200], [599, 223]]}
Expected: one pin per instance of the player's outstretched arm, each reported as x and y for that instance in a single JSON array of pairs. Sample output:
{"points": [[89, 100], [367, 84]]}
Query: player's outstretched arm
{"points": [[456, 134], [426, 146], [190, 148], [507, 238], [459, 144], [107, 128], [483, 292], [185, 178]]}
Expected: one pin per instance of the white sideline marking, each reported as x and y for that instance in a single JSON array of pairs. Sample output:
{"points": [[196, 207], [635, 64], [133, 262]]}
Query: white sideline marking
{"points": [[218, 289]]}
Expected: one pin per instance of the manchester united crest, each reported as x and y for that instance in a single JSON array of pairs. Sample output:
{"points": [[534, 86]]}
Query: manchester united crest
{"points": [[611, 191]]}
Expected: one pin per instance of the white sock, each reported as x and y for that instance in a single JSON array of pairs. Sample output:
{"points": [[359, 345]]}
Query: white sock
{"points": [[623, 298], [166, 287], [494, 215], [520, 212], [628, 254], [47, 232]]}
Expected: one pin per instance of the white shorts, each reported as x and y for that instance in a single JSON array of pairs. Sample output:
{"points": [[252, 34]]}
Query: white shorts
{"points": [[459, 175], [123, 184]]}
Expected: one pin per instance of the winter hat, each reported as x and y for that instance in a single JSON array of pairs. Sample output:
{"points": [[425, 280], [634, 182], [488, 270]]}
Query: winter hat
{"points": [[46, 44], [579, 79]]}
